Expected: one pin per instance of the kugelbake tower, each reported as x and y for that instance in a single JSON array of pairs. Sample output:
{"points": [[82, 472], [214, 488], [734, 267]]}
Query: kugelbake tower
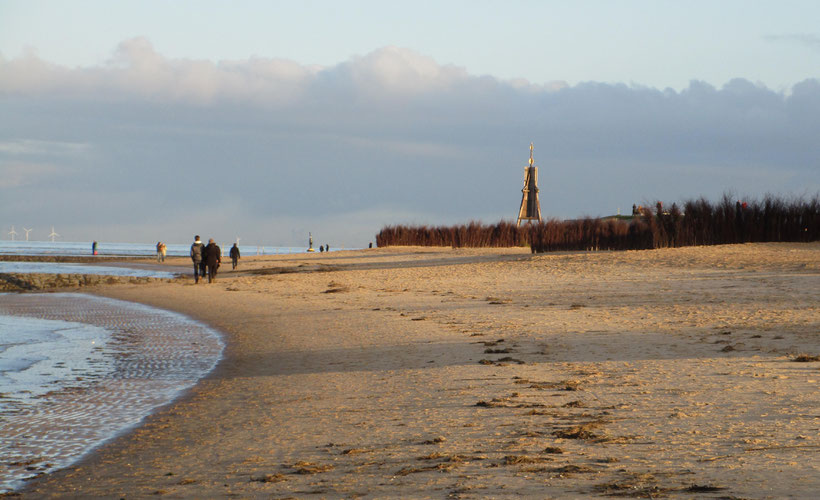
{"points": [[530, 206]]}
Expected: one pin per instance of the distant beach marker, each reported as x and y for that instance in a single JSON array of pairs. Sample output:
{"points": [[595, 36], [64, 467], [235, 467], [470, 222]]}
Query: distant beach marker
{"points": [[530, 206]]}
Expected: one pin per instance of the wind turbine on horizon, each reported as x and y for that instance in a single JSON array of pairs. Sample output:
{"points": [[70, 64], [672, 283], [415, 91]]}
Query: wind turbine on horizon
{"points": [[12, 233], [27, 231], [53, 234]]}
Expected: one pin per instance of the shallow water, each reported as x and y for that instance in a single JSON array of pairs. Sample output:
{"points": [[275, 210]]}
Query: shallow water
{"points": [[40, 355], [76, 370], [64, 268], [68, 248]]}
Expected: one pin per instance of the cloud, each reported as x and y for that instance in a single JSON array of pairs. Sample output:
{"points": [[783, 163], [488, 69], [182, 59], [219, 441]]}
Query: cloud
{"points": [[398, 72], [419, 149], [137, 70], [36, 147], [269, 149], [805, 39], [17, 175]]}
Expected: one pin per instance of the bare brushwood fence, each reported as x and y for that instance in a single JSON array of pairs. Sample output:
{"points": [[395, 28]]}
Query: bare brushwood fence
{"points": [[695, 222]]}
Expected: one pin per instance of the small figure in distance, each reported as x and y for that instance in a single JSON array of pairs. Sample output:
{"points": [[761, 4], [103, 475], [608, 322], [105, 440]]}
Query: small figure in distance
{"points": [[321, 249], [159, 252], [370, 245], [327, 247], [94, 248], [162, 251], [234, 253], [213, 256], [197, 251]]}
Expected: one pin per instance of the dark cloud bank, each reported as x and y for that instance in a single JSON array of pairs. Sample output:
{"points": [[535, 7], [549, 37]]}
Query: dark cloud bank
{"points": [[146, 148]]}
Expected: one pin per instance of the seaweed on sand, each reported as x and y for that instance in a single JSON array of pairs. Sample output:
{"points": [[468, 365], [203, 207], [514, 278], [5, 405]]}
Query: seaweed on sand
{"points": [[441, 467], [309, 468], [269, 478], [524, 459], [805, 358], [583, 431]]}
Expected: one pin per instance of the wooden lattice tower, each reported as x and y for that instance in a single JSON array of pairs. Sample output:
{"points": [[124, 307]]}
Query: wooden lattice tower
{"points": [[530, 206]]}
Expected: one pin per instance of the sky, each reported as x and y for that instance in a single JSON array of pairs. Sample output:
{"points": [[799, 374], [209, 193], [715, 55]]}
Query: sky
{"points": [[157, 120]]}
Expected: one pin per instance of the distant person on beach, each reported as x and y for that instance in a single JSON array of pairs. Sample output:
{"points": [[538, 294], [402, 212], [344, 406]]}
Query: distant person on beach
{"points": [[160, 251], [213, 256], [327, 247], [94, 248], [321, 249], [234, 253], [203, 266], [197, 251]]}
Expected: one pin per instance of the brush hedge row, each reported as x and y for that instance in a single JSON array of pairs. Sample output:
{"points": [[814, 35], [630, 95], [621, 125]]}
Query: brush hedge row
{"points": [[696, 222], [474, 234]]}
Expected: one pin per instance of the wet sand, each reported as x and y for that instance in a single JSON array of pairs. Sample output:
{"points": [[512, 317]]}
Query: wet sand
{"points": [[147, 358], [487, 373]]}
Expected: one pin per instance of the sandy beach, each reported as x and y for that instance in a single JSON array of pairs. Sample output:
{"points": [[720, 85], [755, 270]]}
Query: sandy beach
{"points": [[493, 373]]}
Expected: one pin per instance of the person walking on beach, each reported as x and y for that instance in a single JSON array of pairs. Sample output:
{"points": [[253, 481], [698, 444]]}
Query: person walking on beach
{"points": [[196, 256], [203, 266], [213, 256], [234, 255], [160, 251]]}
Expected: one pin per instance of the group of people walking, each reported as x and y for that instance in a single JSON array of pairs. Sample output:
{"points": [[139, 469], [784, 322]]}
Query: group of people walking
{"points": [[207, 258]]}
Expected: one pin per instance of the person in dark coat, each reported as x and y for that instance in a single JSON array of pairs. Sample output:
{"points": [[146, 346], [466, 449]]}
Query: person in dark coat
{"points": [[213, 257], [197, 257], [203, 266], [234, 255]]}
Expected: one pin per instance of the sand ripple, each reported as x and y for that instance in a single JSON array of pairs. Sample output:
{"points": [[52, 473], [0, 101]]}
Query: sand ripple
{"points": [[153, 355]]}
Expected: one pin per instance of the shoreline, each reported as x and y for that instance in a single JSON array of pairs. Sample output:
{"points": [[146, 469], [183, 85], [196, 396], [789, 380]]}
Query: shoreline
{"points": [[392, 380], [140, 358]]}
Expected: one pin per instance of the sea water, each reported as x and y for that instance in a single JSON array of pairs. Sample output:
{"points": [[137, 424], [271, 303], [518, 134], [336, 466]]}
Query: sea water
{"points": [[77, 370], [73, 249], [38, 356], [67, 268]]}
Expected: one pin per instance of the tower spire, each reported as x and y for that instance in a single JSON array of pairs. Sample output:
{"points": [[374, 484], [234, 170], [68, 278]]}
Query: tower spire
{"points": [[530, 206]]}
